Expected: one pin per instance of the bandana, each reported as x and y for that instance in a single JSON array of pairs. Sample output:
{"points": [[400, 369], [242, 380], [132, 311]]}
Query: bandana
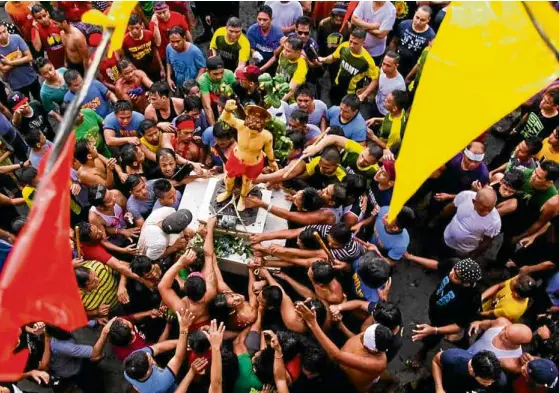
{"points": [[369, 338], [186, 125], [473, 156], [468, 270]]}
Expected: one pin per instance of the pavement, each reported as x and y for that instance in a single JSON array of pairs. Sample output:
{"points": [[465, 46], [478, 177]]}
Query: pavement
{"points": [[411, 285]]}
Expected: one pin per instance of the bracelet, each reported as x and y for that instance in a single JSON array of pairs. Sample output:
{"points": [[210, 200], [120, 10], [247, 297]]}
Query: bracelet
{"points": [[269, 207], [278, 357], [184, 332], [436, 331], [21, 164]]}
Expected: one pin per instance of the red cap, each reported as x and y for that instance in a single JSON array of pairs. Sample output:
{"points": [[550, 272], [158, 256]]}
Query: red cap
{"points": [[250, 73], [390, 169]]}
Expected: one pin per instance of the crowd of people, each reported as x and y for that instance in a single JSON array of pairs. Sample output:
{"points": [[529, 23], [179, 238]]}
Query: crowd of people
{"points": [[315, 310]]}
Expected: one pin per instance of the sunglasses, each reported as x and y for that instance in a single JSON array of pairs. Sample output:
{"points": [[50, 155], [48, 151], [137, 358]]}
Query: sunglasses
{"points": [[304, 32]]}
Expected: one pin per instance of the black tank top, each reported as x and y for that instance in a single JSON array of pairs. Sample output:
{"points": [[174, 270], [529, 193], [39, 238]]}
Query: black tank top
{"points": [[172, 115]]}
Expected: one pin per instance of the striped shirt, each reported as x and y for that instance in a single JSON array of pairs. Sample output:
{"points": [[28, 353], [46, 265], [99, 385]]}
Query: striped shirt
{"points": [[347, 253], [106, 292]]}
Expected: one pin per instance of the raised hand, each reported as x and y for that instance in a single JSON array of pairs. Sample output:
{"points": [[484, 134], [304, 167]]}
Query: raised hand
{"points": [[215, 334]]}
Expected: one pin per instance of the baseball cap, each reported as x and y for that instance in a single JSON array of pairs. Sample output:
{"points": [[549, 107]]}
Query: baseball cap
{"points": [[213, 63], [249, 73], [543, 372], [390, 169], [160, 5], [177, 221], [339, 8], [468, 270], [17, 99]]}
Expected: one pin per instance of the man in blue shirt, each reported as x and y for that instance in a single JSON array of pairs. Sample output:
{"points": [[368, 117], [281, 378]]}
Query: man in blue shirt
{"points": [[347, 117], [143, 373], [371, 273], [121, 126], [264, 38], [392, 238], [184, 60], [98, 95]]}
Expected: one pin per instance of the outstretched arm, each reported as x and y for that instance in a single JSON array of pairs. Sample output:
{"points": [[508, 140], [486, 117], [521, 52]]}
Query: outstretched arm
{"points": [[209, 256]]}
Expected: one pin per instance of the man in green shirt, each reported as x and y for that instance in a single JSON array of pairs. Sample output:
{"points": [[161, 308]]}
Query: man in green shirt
{"points": [[541, 195], [247, 379], [210, 82], [88, 126], [360, 159]]}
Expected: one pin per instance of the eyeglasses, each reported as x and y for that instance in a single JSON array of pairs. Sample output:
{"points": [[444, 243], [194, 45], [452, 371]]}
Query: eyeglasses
{"points": [[304, 32]]}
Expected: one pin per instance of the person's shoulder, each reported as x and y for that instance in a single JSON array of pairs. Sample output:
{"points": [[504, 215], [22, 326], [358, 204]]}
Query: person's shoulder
{"points": [[333, 110], [383, 212], [455, 355], [222, 31], [430, 32], [320, 104], [252, 28], [137, 116]]}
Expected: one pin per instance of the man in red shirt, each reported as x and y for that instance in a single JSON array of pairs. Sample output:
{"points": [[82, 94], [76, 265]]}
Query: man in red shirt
{"points": [[74, 9], [20, 14], [162, 21], [140, 47], [44, 35]]}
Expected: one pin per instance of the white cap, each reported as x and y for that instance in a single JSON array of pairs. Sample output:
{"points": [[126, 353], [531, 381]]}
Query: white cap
{"points": [[369, 338]]}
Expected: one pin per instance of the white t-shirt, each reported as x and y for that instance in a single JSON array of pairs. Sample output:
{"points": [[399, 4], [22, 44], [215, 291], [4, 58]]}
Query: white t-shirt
{"points": [[153, 241], [280, 113], [284, 14], [467, 228], [385, 15], [387, 86]]}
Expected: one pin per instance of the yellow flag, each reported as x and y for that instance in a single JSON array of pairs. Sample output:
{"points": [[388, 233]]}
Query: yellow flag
{"points": [[486, 60], [117, 19]]}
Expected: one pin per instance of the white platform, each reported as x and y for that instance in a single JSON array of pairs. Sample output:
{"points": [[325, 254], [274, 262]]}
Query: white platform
{"points": [[196, 198]]}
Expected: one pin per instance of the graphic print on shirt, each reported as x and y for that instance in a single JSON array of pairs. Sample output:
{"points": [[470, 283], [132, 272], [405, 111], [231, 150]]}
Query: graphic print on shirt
{"points": [[533, 126], [413, 41], [444, 300]]}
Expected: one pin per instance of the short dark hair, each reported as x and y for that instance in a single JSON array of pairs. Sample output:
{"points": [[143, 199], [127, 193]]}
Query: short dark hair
{"points": [[219, 131], [534, 145], [141, 265], [81, 151], [58, 15], [375, 150], [161, 88], [233, 22], [161, 186], [525, 286], [70, 76], [33, 137], [298, 139], [195, 288], [554, 96], [188, 85], [425, 8], [387, 314], [552, 170], [314, 359], [295, 42], [36, 8], [177, 30], [355, 185], [393, 55], [359, 33], [145, 125], [263, 365], [120, 334], [401, 98], [486, 365], [383, 338], [339, 195], [82, 276], [123, 105], [198, 342], [132, 181], [405, 218], [311, 200], [305, 89], [273, 296], [192, 102], [303, 20], [265, 9], [136, 365], [165, 151], [323, 272], [300, 116], [373, 269], [309, 242], [40, 62], [331, 154], [127, 154], [352, 101], [84, 230], [123, 64], [336, 130], [341, 233], [134, 20], [514, 178]]}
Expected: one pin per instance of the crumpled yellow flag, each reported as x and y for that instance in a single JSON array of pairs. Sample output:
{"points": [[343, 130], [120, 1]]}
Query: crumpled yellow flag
{"points": [[116, 19], [486, 60]]}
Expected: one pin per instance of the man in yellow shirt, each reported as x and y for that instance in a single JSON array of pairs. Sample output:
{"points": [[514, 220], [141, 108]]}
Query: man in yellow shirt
{"points": [[508, 299], [292, 65], [231, 44], [550, 148]]}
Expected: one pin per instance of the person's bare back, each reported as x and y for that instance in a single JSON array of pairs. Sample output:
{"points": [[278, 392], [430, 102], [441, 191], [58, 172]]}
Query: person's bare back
{"points": [[361, 380], [73, 43], [87, 175]]}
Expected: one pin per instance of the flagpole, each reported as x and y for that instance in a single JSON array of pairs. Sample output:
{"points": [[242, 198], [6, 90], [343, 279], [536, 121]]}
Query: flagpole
{"points": [[66, 125]]}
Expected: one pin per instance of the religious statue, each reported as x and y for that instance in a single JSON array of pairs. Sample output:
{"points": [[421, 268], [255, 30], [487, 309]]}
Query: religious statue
{"points": [[246, 159]]}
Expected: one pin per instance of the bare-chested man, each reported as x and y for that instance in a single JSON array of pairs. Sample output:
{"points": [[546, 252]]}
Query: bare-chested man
{"points": [[95, 169], [363, 356], [184, 143], [200, 288], [75, 44], [132, 85]]}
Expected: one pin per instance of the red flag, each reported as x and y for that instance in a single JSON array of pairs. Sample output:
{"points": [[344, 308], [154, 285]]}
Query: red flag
{"points": [[37, 282]]}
